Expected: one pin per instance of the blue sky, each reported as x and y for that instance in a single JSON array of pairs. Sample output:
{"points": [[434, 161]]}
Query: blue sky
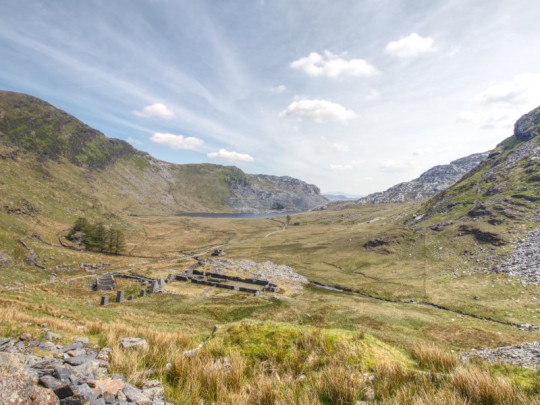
{"points": [[352, 96]]}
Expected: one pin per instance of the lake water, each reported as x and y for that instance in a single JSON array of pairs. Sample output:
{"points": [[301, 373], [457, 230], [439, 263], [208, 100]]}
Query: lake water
{"points": [[235, 215]]}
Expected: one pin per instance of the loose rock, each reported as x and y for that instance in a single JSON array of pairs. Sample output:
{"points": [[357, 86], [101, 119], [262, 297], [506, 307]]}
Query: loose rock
{"points": [[134, 343]]}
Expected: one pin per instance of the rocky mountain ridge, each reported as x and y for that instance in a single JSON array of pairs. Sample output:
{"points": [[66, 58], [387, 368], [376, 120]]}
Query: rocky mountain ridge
{"points": [[431, 182], [509, 177], [274, 193], [111, 174]]}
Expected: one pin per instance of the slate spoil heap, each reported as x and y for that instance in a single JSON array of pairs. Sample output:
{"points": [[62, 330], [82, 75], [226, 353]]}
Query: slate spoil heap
{"points": [[281, 275], [524, 262], [74, 374], [522, 355]]}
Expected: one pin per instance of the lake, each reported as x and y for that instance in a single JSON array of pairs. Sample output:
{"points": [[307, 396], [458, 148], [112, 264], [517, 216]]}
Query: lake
{"points": [[236, 215]]}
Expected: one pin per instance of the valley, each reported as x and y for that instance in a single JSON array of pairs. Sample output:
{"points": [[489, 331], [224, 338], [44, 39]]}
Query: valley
{"points": [[413, 289]]}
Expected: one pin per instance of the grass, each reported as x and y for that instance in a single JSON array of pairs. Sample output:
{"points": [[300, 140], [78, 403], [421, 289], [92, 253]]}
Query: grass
{"points": [[316, 347], [434, 358], [265, 361]]}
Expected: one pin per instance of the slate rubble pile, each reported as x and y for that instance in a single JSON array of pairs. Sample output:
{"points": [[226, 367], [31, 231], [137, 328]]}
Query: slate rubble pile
{"points": [[282, 275], [524, 262], [73, 374], [522, 355]]}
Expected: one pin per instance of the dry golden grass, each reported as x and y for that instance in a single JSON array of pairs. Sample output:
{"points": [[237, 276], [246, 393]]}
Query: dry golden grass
{"points": [[309, 366], [479, 387], [434, 358]]}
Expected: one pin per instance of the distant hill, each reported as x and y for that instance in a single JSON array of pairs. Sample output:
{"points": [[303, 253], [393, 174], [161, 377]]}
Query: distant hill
{"points": [[55, 163], [341, 197], [429, 183]]}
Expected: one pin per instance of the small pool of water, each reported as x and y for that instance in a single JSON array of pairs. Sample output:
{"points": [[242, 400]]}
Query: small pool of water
{"points": [[236, 215]]}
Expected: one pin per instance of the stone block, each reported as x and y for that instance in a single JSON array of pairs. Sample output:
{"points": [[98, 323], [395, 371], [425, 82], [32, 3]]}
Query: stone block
{"points": [[104, 301], [133, 343], [154, 288], [120, 296]]}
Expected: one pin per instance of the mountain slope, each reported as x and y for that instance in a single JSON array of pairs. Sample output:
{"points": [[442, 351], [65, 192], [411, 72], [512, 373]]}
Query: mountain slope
{"points": [[498, 201], [509, 176], [72, 165], [429, 183]]}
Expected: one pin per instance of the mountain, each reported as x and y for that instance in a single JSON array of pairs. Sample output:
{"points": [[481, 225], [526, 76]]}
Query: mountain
{"points": [[53, 162], [339, 196], [507, 181], [429, 183]]}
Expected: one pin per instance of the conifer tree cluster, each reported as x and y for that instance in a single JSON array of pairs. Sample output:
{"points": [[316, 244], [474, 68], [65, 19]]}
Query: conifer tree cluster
{"points": [[97, 237]]}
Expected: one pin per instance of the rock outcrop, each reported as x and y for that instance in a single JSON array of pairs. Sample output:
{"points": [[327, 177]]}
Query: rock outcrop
{"points": [[528, 126], [263, 193], [429, 183], [44, 373]]}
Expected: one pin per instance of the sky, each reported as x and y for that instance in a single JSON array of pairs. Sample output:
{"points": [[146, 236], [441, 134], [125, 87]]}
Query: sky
{"points": [[351, 95]]}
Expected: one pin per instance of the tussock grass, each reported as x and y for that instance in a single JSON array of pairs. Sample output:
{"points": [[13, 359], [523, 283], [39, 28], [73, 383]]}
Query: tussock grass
{"points": [[434, 358], [280, 363], [479, 387]]}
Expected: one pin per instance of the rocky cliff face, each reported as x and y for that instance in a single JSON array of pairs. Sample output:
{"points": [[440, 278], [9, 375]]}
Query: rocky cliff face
{"points": [[429, 183], [263, 192], [528, 126]]}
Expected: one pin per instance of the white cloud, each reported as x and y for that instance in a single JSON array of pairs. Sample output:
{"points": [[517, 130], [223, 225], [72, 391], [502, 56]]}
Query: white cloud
{"points": [[317, 110], [340, 147], [231, 156], [522, 89], [424, 151], [410, 46], [395, 165], [373, 95], [347, 166], [500, 105], [332, 65], [495, 117], [339, 168], [177, 141], [278, 89], [155, 110]]}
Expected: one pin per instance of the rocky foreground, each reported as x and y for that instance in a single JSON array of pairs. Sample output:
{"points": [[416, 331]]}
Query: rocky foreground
{"points": [[45, 373]]}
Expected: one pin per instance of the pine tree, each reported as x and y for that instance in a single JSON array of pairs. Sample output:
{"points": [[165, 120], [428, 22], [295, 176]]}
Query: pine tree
{"points": [[97, 241], [117, 241]]}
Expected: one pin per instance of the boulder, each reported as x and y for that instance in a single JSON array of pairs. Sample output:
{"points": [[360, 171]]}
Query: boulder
{"points": [[109, 387], [134, 395], [32, 259], [17, 385], [52, 336], [82, 339], [153, 389], [134, 343]]}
